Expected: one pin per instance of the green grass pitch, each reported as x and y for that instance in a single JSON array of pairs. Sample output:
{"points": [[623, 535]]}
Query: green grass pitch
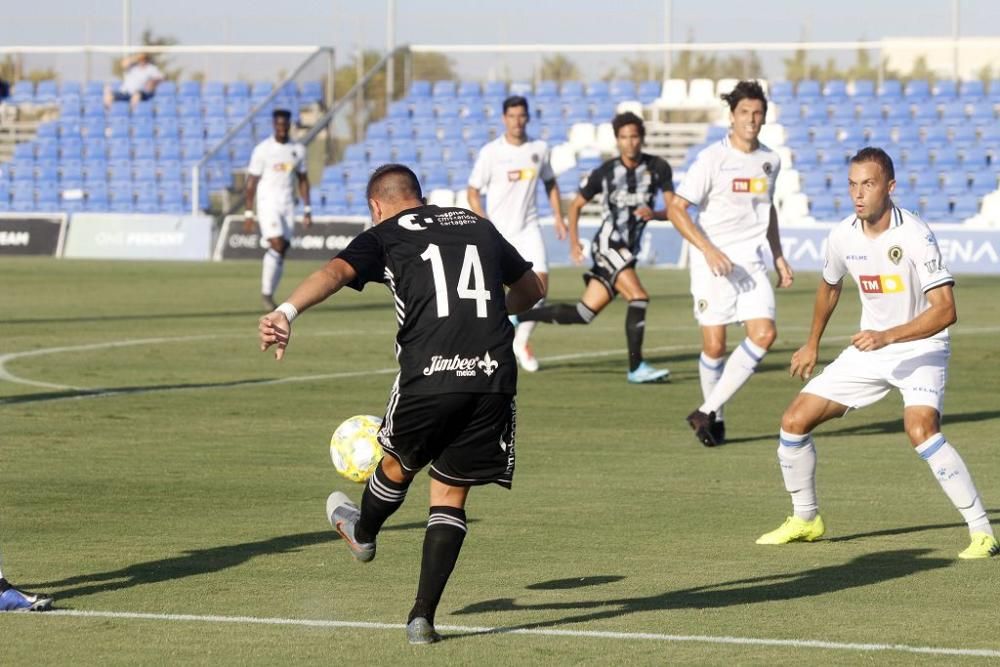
{"points": [[197, 487]]}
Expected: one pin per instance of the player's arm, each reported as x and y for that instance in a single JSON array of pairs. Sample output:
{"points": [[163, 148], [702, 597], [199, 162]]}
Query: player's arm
{"points": [[804, 359], [555, 201], [475, 201], [524, 292], [274, 328], [781, 265], [304, 198], [251, 196], [677, 213], [575, 206], [940, 315]]}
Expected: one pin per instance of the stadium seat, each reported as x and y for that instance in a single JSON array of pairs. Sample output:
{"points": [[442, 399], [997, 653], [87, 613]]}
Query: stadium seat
{"points": [[598, 90], [936, 209], [649, 91], [807, 91], [946, 158], [925, 114], [71, 148], [189, 89], [420, 89], [917, 90], [237, 90], [469, 90], [981, 113], [70, 127], [864, 89], [945, 89], [814, 182], [965, 208], [936, 136], [547, 89], [953, 112], [890, 90], [623, 90], [701, 94], [495, 89], [443, 89], [572, 89], [972, 90], [983, 182], [823, 207], [835, 90]]}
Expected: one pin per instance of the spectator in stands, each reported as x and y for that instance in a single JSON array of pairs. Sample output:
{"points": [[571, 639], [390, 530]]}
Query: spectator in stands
{"points": [[140, 77]]}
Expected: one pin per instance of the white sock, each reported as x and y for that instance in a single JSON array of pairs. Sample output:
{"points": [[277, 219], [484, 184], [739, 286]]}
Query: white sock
{"points": [[797, 456], [524, 329], [951, 473], [739, 367], [710, 370], [271, 270]]}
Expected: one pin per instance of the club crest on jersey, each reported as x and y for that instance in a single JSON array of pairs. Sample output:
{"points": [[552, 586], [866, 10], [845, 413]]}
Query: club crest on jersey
{"points": [[702, 305], [535, 158], [895, 254], [879, 284], [753, 186], [767, 168], [488, 365]]}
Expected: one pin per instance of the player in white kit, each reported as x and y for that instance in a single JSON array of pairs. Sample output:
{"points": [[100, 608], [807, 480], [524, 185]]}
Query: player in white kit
{"points": [[907, 305], [276, 164], [509, 168], [13, 599], [732, 183]]}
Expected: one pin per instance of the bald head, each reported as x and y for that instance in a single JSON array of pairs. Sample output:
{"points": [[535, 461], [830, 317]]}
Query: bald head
{"points": [[393, 188]]}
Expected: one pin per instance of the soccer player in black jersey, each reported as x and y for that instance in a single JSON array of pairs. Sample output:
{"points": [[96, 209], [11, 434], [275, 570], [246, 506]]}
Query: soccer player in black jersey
{"points": [[628, 186], [452, 404]]}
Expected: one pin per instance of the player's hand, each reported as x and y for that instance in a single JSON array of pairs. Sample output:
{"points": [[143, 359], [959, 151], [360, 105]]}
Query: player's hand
{"points": [[576, 253], [561, 229], [644, 213], [307, 220], [274, 329], [718, 262], [785, 274], [803, 362], [868, 340], [249, 222]]}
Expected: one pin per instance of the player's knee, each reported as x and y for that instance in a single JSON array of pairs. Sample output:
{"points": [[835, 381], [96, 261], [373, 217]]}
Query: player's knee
{"points": [[919, 431], [714, 349], [764, 337], [795, 421], [394, 471]]}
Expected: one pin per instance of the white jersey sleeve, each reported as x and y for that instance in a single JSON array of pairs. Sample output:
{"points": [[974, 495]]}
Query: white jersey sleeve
{"points": [[925, 254], [697, 181], [256, 167], [834, 267], [480, 176]]}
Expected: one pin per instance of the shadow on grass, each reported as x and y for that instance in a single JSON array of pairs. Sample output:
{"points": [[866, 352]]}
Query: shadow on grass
{"points": [[64, 394], [152, 317], [574, 582], [192, 563], [905, 530], [862, 571]]}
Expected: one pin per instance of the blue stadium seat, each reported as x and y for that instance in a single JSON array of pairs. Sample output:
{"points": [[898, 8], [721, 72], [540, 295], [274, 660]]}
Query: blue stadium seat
{"points": [[965, 208], [167, 129], [189, 107], [917, 90], [213, 88], [936, 209], [974, 157], [972, 90], [474, 114], [649, 91], [405, 153], [70, 127], [945, 89], [215, 128], [144, 170], [864, 89], [192, 128], [814, 182], [189, 89], [447, 109], [237, 108], [142, 128], [572, 89], [23, 196], [946, 158], [805, 157], [989, 135], [925, 114], [890, 90], [603, 111], [823, 206], [443, 89], [795, 135], [420, 89], [120, 148], [843, 114], [261, 89], [449, 132], [907, 135], [815, 114], [399, 109], [49, 130], [142, 110], [237, 90], [824, 135], [46, 92], [172, 198], [71, 148], [434, 151], [168, 149], [953, 112], [622, 89], [469, 89], [168, 170], [166, 89], [355, 153], [144, 149], [165, 107], [898, 114], [576, 112], [936, 136], [400, 129], [835, 90], [379, 153], [495, 89], [598, 90], [983, 182], [926, 183], [954, 184], [807, 91], [423, 108], [917, 157], [981, 113], [70, 106]]}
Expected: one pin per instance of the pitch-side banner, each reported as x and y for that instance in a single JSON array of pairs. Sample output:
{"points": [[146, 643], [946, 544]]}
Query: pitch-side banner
{"points": [[321, 241], [963, 250], [32, 234], [138, 236], [661, 244]]}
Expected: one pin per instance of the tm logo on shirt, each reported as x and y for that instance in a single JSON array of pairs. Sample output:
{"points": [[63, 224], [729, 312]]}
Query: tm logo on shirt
{"points": [[754, 186], [880, 284], [520, 174]]}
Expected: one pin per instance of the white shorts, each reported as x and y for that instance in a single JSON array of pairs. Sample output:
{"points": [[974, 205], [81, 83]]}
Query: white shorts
{"points": [[529, 243], [856, 379], [745, 294], [276, 222]]}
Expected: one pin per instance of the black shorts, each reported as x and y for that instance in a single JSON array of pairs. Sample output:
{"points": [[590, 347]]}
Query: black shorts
{"points": [[610, 259], [467, 438], [122, 96]]}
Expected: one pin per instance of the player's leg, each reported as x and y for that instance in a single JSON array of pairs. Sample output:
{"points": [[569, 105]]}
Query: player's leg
{"points": [[530, 244], [709, 428], [627, 284], [443, 539], [276, 227], [797, 459], [922, 381], [596, 297]]}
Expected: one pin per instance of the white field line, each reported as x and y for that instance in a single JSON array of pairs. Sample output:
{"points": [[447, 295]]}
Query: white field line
{"points": [[539, 632], [99, 392]]}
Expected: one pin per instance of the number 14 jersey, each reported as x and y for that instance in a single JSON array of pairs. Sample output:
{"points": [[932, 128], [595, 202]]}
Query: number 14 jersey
{"points": [[445, 268]]}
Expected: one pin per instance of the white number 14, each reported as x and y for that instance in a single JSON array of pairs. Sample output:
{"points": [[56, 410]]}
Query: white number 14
{"points": [[471, 284]]}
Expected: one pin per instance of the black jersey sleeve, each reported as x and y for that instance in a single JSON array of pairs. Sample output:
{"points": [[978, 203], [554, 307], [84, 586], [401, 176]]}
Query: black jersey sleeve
{"points": [[366, 256], [593, 184], [664, 173], [512, 265]]}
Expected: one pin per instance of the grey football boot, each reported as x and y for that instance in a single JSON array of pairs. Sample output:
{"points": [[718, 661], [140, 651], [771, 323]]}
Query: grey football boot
{"points": [[343, 516], [421, 631]]}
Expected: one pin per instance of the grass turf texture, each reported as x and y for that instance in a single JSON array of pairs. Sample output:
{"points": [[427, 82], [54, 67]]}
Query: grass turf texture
{"points": [[200, 488]]}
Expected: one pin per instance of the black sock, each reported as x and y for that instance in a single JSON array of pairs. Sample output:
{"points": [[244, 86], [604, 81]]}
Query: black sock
{"points": [[559, 313], [442, 542], [381, 498], [635, 327], [4, 585]]}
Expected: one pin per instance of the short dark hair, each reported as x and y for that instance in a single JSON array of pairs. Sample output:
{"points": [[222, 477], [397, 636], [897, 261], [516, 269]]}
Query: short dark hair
{"points": [[879, 157], [628, 118], [515, 101], [745, 90], [393, 181], [281, 113]]}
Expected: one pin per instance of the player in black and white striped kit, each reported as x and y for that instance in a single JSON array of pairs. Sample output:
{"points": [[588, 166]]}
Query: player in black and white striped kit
{"points": [[452, 404], [628, 186]]}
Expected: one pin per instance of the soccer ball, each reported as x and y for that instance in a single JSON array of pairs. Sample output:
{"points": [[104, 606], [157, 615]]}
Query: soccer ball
{"points": [[354, 447]]}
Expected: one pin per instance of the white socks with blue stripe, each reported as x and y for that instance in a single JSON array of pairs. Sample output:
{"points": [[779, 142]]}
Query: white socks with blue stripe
{"points": [[709, 371], [797, 457], [271, 270], [954, 478], [739, 367]]}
